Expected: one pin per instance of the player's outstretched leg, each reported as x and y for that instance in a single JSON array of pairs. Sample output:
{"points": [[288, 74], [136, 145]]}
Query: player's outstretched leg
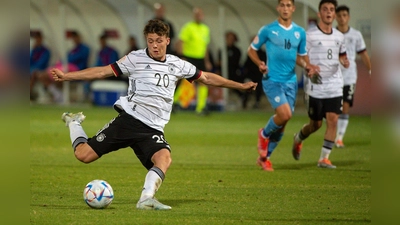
{"points": [[68, 117]]}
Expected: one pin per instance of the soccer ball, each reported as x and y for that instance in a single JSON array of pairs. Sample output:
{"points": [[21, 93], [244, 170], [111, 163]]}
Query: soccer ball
{"points": [[98, 194]]}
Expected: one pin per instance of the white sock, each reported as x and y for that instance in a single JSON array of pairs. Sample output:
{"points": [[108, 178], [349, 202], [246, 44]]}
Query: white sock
{"points": [[324, 153], [152, 182], [326, 149], [77, 134], [343, 121]]}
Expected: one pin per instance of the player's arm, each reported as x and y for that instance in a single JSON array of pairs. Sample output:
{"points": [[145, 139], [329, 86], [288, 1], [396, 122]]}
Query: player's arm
{"points": [[252, 53], [304, 62], [344, 60], [215, 80], [86, 74], [366, 60]]}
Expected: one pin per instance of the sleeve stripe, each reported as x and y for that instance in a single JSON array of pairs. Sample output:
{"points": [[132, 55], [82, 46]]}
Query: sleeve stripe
{"points": [[342, 54], [195, 76], [116, 69]]}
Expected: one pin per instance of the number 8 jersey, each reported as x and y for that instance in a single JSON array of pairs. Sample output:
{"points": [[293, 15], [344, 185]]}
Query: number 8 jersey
{"points": [[324, 50], [152, 85]]}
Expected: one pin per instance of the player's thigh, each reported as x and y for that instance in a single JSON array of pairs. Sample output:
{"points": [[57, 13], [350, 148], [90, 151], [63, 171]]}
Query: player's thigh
{"points": [[333, 105], [315, 109], [276, 93], [150, 142], [118, 133], [290, 89], [348, 94]]}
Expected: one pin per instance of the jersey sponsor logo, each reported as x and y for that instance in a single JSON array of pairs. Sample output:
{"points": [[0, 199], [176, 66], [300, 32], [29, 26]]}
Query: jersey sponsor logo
{"points": [[100, 137], [148, 67], [297, 34], [275, 32], [277, 99]]}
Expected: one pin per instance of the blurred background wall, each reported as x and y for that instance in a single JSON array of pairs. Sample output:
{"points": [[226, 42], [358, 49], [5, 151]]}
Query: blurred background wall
{"points": [[127, 17]]}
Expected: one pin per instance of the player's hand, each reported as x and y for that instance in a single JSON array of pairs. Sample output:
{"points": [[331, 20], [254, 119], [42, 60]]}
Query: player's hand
{"points": [[249, 86], [345, 62], [312, 69], [263, 68], [57, 74], [316, 78]]}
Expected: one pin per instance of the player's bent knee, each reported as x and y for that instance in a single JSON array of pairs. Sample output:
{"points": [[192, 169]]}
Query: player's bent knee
{"points": [[85, 153]]}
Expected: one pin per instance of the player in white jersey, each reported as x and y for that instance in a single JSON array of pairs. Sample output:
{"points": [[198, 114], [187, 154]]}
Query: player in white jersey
{"points": [[326, 48], [354, 45], [145, 110]]}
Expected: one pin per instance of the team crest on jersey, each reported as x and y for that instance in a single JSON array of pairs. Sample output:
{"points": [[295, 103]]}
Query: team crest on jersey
{"points": [[171, 68], [277, 99], [297, 35], [100, 137], [337, 42]]}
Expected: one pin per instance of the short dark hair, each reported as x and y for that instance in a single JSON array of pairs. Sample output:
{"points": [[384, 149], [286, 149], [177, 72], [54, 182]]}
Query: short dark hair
{"points": [[343, 8], [334, 2], [279, 1], [156, 26]]}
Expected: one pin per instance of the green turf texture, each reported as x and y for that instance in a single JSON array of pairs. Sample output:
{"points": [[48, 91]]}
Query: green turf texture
{"points": [[213, 178]]}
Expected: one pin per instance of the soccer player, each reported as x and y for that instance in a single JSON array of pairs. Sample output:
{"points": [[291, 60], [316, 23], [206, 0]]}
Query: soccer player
{"points": [[285, 46], [144, 112], [326, 48], [354, 45], [194, 38]]}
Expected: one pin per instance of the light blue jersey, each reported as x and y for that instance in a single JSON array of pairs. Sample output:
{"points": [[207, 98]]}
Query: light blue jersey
{"points": [[283, 45]]}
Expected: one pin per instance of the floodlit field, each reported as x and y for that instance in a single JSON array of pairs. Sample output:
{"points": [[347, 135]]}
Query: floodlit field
{"points": [[213, 178]]}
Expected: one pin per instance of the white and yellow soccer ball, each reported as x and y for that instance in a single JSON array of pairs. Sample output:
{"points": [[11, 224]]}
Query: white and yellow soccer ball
{"points": [[98, 194]]}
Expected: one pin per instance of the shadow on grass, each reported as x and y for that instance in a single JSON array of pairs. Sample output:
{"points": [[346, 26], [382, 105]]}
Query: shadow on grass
{"points": [[178, 202], [341, 165]]}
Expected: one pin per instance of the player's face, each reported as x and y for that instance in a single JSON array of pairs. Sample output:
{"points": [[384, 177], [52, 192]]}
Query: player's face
{"points": [[157, 46], [342, 17], [285, 9], [327, 13]]}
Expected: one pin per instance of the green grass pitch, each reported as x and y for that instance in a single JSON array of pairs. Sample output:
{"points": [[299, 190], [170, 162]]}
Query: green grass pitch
{"points": [[213, 178]]}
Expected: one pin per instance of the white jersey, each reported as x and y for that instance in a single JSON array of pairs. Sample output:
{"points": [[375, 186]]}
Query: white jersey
{"points": [[354, 45], [324, 50], [152, 85]]}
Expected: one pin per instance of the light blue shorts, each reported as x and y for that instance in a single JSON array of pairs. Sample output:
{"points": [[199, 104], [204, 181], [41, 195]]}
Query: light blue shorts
{"points": [[279, 93]]}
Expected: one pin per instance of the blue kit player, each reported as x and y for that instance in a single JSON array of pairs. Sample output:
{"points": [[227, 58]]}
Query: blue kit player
{"points": [[285, 47]]}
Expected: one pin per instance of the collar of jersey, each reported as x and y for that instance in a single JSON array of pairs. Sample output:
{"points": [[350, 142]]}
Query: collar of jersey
{"points": [[148, 54]]}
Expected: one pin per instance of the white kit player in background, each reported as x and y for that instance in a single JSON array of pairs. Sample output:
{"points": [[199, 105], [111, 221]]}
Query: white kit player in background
{"points": [[354, 45], [144, 112], [326, 48]]}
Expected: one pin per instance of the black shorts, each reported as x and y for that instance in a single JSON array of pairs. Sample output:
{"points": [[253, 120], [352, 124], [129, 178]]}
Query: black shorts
{"points": [[348, 93], [317, 108], [126, 131]]}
